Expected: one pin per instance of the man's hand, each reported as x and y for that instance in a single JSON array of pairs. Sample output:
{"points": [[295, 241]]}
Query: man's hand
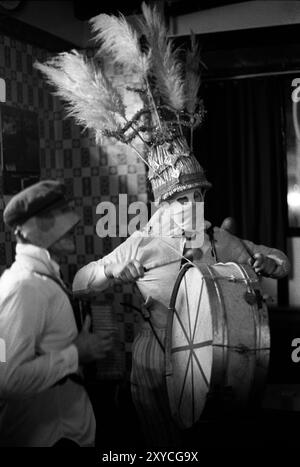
{"points": [[263, 264], [124, 272], [90, 346]]}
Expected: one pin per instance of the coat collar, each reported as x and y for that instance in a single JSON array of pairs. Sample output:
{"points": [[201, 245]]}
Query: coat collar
{"points": [[36, 259]]}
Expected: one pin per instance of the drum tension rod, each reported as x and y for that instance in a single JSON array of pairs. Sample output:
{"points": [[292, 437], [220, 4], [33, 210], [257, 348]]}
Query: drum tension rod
{"points": [[237, 279], [242, 349], [230, 279]]}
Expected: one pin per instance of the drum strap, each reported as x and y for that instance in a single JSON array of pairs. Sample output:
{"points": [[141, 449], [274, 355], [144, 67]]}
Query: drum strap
{"points": [[195, 254], [210, 233]]}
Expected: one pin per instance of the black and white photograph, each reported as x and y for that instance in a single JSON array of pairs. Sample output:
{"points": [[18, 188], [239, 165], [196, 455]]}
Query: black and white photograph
{"points": [[149, 229]]}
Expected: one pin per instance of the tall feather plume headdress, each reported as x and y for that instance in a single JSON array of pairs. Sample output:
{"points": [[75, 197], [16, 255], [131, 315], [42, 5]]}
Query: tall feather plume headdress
{"points": [[168, 88]]}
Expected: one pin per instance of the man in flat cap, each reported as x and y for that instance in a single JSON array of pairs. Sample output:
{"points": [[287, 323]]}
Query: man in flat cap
{"points": [[42, 402]]}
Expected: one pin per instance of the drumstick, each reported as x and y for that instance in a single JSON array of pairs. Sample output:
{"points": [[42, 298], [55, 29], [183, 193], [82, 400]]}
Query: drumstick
{"points": [[163, 264], [251, 256]]}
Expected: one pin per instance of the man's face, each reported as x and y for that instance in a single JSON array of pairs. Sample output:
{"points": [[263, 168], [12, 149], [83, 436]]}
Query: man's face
{"points": [[192, 196], [183, 214], [65, 245], [189, 200]]}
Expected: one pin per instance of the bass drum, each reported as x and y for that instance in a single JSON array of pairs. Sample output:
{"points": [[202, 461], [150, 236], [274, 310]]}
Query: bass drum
{"points": [[218, 341]]}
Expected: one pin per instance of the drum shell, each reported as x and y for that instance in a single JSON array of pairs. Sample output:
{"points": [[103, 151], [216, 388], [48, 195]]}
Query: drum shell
{"points": [[246, 340]]}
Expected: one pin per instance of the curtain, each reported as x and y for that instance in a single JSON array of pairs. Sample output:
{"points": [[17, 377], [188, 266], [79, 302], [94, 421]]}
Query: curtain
{"points": [[241, 145]]}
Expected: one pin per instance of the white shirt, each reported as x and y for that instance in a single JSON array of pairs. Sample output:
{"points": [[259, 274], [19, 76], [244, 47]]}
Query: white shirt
{"points": [[38, 327]]}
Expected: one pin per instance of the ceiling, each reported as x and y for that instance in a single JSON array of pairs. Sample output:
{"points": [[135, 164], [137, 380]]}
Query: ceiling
{"points": [[86, 10]]}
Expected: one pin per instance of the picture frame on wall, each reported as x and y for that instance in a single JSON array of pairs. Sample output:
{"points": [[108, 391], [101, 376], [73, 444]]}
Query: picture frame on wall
{"points": [[292, 134], [20, 148]]}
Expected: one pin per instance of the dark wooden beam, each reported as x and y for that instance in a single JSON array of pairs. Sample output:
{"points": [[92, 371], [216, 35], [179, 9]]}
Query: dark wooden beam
{"points": [[269, 49], [21, 31]]}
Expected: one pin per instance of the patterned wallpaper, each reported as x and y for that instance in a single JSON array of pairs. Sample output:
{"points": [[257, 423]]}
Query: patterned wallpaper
{"points": [[91, 173]]}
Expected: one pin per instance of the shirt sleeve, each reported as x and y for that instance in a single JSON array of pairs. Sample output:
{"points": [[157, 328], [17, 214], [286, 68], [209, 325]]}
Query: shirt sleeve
{"points": [[231, 248], [281, 260], [25, 372], [91, 278]]}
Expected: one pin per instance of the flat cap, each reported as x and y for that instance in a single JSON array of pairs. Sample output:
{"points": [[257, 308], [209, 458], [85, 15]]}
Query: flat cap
{"points": [[32, 201]]}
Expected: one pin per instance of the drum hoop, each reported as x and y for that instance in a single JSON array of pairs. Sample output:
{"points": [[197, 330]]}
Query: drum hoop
{"points": [[171, 309], [220, 342], [219, 352], [168, 360]]}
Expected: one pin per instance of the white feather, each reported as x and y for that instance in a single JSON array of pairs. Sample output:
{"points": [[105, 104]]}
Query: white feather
{"points": [[165, 66], [120, 40], [91, 99]]}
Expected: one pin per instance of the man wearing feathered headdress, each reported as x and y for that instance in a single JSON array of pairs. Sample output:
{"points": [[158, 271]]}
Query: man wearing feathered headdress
{"points": [[170, 109]]}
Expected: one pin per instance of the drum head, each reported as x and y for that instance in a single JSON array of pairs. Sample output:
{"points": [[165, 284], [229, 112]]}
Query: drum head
{"points": [[189, 350]]}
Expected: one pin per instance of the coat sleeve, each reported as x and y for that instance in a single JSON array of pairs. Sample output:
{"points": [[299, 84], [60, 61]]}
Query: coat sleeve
{"points": [[25, 373], [91, 278], [231, 248], [281, 260]]}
